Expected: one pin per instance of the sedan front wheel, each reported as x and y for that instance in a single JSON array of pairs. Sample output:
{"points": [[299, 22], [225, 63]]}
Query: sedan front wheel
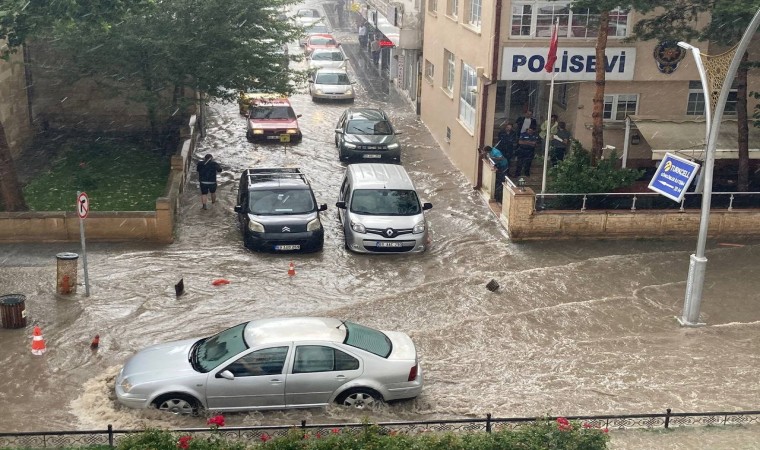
{"points": [[179, 404]]}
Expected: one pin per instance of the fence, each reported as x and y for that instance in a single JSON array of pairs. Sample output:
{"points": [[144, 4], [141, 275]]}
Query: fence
{"points": [[111, 437], [633, 201]]}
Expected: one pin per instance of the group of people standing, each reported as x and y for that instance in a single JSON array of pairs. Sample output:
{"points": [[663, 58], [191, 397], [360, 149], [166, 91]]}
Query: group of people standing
{"points": [[520, 140], [374, 43]]}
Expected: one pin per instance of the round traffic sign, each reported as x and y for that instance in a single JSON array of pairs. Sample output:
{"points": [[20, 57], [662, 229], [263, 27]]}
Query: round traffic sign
{"points": [[83, 205]]}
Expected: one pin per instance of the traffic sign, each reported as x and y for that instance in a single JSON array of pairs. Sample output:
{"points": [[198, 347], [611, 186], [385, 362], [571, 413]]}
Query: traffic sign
{"points": [[83, 205], [673, 176]]}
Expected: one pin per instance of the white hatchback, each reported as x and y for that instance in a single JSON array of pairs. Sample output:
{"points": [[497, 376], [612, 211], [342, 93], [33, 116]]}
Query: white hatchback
{"points": [[331, 84], [332, 58]]}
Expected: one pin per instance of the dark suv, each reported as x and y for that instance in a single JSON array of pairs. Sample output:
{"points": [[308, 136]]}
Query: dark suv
{"points": [[366, 134], [278, 212]]}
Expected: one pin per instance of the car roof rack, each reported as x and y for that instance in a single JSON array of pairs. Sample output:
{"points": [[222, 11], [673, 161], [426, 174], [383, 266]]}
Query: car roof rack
{"points": [[274, 173]]}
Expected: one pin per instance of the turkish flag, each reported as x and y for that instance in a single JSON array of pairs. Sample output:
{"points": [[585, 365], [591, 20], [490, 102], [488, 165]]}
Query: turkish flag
{"points": [[552, 56]]}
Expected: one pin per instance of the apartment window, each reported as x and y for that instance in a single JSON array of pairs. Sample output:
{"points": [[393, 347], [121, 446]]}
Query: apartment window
{"points": [[561, 95], [448, 77], [618, 106], [452, 8], [432, 5], [695, 105], [535, 18], [429, 71], [474, 11], [468, 96]]}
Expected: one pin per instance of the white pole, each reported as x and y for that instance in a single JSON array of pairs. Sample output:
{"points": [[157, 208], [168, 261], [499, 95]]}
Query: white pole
{"points": [[547, 138], [697, 261], [708, 107], [626, 140]]}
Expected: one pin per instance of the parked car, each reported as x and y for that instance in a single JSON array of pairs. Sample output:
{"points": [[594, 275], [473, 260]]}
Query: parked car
{"points": [[281, 363], [272, 118], [316, 41], [307, 16], [332, 58], [331, 84], [310, 30], [380, 212], [366, 134], [277, 211]]}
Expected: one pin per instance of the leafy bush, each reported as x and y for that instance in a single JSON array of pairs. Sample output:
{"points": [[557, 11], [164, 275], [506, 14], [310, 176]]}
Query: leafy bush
{"points": [[576, 175]]}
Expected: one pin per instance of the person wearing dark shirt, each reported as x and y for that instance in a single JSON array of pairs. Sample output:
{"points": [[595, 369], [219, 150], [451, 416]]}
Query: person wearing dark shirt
{"points": [[526, 151], [507, 140], [525, 122], [207, 170], [560, 142]]}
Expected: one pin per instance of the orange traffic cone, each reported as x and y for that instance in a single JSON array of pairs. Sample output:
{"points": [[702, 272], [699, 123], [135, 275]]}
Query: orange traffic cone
{"points": [[95, 342], [291, 269], [38, 344]]}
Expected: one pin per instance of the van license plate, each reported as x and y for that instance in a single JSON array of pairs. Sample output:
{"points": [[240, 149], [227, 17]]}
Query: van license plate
{"points": [[388, 244], [273, 137], [287, 247], [373, 156]]}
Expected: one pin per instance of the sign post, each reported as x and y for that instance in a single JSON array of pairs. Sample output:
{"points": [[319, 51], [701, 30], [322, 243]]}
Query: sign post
{"points": [[673, 177], [83, 208]]}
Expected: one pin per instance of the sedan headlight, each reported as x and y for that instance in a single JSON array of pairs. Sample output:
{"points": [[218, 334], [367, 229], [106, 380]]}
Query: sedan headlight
{"points": [[349, 91], [255, 226], [419, 228], [292, 131], [393, 146], [314, 225], [258, 131], [125, 385], [359, 228], [349, 145], [320, 92]]}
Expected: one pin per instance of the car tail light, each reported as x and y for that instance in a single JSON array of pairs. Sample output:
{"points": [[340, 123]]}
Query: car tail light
{"points": [[413, 373]]}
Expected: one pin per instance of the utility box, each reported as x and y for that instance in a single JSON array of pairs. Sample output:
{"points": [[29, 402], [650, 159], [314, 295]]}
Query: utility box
{"points": [[66, 279]]}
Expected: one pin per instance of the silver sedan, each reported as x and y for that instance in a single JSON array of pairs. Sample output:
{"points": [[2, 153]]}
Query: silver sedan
{"points": [[331, 84], [300, 362]]}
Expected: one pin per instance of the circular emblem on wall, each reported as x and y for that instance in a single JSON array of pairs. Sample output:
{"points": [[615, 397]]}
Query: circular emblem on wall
{"points": [[668, 55]]}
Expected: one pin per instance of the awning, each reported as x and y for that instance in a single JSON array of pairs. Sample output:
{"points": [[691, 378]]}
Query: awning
{"points": [[686, 137]]}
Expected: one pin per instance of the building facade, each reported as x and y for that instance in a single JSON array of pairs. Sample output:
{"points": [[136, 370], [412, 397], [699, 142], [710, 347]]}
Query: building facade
{"points": [[484, 65]]}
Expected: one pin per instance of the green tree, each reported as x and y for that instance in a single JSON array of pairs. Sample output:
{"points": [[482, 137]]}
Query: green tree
{"points": [[728, 21], [601, 9]]}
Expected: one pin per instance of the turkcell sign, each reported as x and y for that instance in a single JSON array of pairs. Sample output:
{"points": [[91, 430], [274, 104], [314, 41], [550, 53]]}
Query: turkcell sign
{"points": [[673, 176], [573, 63]]}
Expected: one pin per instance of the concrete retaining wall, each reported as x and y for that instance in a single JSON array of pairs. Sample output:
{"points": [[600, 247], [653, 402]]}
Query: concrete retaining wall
{"points": [[523, 222], [154, 226]]}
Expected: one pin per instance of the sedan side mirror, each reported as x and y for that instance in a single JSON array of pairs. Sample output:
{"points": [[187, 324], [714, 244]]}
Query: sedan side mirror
{"points": [[298, 115], [426, 206], [238, 208], [322, 207], [339, 131], [226, 374], [311, 81], [398, 132], [341, 205]]}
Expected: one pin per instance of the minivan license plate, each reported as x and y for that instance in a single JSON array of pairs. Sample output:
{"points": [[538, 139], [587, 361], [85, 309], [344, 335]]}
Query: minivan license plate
{"points": [[372, 156], [287, 247], [388, 244]]}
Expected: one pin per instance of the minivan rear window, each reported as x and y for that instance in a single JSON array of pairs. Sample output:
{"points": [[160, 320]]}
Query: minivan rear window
{"points": [[367, 339], [385, 202]]}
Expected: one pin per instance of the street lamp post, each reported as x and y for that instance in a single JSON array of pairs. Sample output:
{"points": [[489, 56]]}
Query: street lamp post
{"points": [[697, 261]]}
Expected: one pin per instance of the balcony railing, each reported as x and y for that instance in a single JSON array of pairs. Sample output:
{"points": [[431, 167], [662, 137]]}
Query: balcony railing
{"points": [[635, 201]]}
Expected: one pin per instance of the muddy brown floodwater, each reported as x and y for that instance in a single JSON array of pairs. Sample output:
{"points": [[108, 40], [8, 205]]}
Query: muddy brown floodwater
{"points": [[576, 328]]}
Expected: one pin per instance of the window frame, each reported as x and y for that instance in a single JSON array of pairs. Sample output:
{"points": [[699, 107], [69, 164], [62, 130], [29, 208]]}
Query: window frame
{"points": [[474, 16], [429, 70], [450, 74], [614, 102], [620, 19], [468, 96], [452, 8], [697, 95], [432, 6]]}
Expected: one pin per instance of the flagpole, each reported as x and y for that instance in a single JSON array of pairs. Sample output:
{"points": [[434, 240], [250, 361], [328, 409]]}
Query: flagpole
{"points": [[550, 59], [548, 133]]}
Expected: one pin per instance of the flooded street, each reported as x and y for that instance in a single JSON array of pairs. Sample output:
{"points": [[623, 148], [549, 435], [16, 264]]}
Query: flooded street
{"points": [[576, 328]]}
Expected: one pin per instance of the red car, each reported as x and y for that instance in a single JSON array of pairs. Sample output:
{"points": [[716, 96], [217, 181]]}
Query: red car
{"points": [[272, 119], [320, 41]]}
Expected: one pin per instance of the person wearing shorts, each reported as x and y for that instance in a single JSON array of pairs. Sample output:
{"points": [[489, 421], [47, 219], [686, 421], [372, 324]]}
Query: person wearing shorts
{"points": [[207, 170]]}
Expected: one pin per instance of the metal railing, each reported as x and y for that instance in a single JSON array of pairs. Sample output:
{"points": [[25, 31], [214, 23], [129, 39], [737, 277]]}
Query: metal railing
{"points": [[634, 201], [111, 437]]}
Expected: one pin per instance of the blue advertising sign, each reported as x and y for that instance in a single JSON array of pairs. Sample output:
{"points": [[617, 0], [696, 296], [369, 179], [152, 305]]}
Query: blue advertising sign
{"points": [[673, 176]]}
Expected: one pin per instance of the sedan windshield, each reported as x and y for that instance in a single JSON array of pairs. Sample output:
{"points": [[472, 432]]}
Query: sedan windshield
{"points": [[327, 56], [322, 41], [281, 201], [385, 202], [370, 127], [317, 29], [209, 353], [332, 78], [272, 112]]}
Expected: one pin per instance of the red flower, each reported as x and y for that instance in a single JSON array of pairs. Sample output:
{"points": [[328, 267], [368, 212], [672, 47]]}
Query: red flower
{"points": [[265, 437], [319, 435], [606, 430], [587, 425], [563, 421], [184, 442], [336, 430], [217, 421]]}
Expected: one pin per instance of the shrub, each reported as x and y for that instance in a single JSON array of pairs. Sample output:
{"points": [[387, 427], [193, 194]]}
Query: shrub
{"points": [[576, 175]]}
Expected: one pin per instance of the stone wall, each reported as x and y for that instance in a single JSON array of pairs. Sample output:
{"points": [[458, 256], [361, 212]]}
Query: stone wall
{"points": [[523, 222], [14, 103]]}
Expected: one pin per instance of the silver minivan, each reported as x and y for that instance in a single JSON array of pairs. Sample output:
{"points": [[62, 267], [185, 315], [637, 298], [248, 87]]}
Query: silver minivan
{"points": [[380, 211]]}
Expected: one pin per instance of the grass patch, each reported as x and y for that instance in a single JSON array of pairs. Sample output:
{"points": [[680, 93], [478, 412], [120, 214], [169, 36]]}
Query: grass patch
{"points": [[118, 175]]}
